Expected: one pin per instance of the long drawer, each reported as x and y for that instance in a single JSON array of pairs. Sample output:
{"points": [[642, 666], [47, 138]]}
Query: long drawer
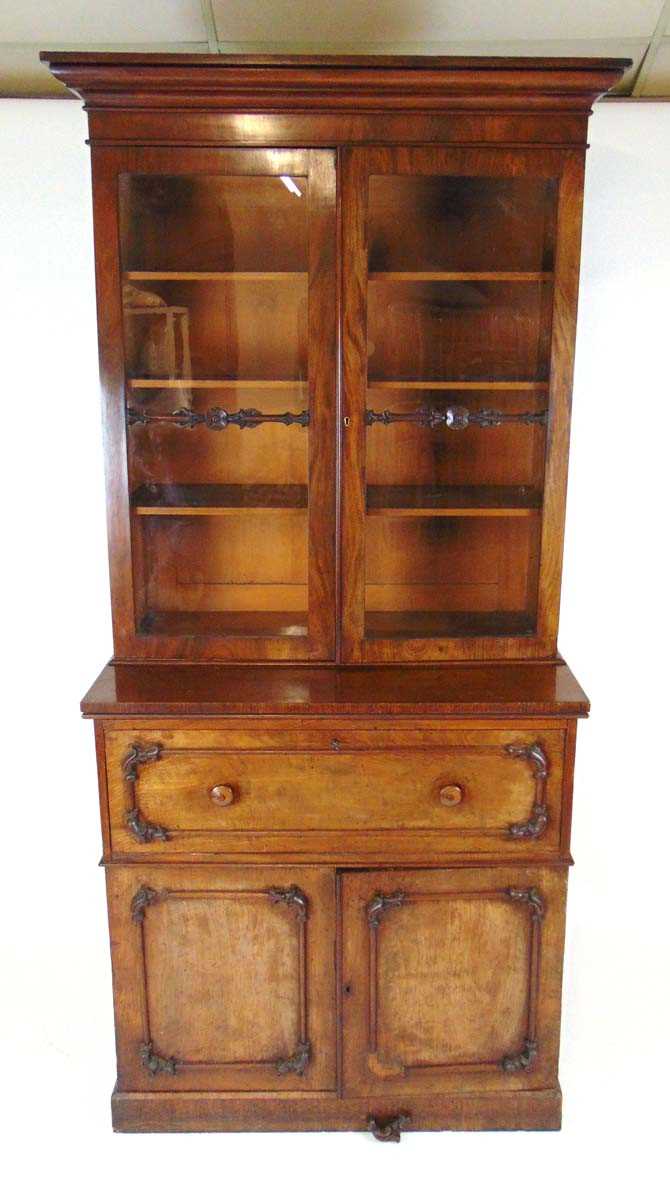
{"points": [[352, 794]]}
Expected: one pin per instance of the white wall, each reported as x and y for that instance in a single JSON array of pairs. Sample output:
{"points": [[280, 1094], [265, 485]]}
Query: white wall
{"points": [[58, 1064]]}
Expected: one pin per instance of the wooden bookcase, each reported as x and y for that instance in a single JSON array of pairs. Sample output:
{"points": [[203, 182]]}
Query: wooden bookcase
{"points": [[337, 302]]}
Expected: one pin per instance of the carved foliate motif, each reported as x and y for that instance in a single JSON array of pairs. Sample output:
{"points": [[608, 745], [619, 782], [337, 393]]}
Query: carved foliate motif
{"points": [[154, 1063], [532, 898], [144, 831], [456, 416], [296, 1063], [381, 903], [538, 820], [294, 897], [535, 755], [140, 902], [217, 418], [534, 827], [522, 1060], [141, 829], [136, 756], [388, 1130]]}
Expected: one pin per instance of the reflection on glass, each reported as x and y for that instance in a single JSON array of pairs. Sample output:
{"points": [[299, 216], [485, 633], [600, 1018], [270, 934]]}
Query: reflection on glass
{"points": [[215, 326], [460, 290]]}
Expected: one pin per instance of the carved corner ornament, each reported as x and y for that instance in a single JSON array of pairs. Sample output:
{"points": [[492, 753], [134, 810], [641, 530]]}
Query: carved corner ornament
{"points": [[296, 1063], [387, 1130], [523, 1059], [532, 898], [381, 903], [154, 1063], [538, 820], [141, 901], [136, 756], [142, 830], [294, 897]]}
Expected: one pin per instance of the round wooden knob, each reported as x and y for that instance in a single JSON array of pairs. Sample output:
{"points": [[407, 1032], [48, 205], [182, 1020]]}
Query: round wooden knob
{"points": [[451, 795], [222, 794]]}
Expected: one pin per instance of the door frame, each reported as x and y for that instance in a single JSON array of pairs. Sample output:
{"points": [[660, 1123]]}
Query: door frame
{"points": [[319, 166], [369, 901], [358, 163], [305, 899]]}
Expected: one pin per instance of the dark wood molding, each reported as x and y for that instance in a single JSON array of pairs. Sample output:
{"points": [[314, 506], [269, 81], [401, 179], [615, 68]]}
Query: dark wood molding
{"points": [[267, 83]]}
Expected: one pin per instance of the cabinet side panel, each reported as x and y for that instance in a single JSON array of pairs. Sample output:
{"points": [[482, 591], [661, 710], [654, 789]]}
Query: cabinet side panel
{"points": [[564, 324], [106, 165]]}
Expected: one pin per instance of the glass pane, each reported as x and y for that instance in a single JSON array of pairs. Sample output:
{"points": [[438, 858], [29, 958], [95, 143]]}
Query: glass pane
{"points": [[215, 326], [460, 287]]}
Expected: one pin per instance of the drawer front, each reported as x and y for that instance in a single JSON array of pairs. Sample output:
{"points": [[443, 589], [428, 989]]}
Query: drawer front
{"points": [[496, 791]]}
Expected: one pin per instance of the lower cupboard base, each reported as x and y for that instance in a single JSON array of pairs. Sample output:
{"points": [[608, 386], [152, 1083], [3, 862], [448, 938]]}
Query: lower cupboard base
{"points": [[193, 1112]]}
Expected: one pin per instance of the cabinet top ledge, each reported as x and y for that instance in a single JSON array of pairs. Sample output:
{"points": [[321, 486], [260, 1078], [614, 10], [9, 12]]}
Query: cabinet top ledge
{"points": [[249, 82]]}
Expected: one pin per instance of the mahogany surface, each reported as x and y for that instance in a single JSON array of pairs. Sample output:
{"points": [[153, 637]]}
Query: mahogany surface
{"points": [[335, 746], [472, 690]]}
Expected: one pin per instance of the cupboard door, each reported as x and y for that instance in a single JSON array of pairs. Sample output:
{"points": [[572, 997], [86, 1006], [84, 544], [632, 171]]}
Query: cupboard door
{"points": [[223, 978], [217, 309], [452, 980], [460, 285]]}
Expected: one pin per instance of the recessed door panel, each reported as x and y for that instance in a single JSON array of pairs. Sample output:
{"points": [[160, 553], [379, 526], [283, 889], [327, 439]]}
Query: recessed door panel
{"points": [[451, 980], [224, 978]]}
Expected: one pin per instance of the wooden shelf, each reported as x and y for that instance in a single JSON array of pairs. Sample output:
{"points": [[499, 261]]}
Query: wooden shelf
{"points": [[217, 500], [452, 501], [398, 625], [218, 383], [459, 385], [197, 276], [224, 624], [459, 276], [203, 500]]}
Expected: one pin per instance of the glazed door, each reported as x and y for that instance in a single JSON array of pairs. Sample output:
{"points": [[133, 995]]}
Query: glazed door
{"points": [[460, 281], [217, 313], [224, 978], [451, 980]]}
